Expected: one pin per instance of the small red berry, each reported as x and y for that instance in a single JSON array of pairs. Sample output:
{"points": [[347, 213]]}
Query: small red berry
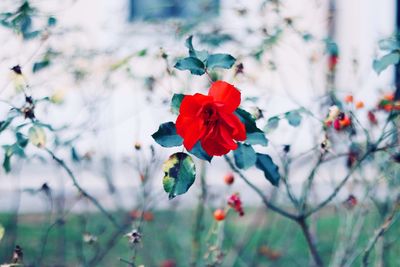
{"points": [[168, 263], [389, 97], [372, 118], [328, 123], [336, 125], [235, 202], [332, 62], [219, 214], [388, 107], [346, 121], [359, 105], [350, 202], [229, 179], [348, 99]]}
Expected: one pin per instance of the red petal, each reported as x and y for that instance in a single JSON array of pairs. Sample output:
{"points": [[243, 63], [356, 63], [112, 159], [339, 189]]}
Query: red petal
{"points": [[190, 130], [236, 125], [218, 141], [226, 95], [213, 148], [226, 138], [192, 104], [188, 124]]}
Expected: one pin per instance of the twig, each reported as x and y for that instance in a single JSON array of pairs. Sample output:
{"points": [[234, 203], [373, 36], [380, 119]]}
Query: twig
{"points": [[311, 244], [389, 221], [85, 194], [310, 180], [337, 188], [130, 263], [259, 192], [199, 219]]}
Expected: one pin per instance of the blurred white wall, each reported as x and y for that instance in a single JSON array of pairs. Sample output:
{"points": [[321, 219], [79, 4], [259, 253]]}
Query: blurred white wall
{"points": [[123, 114]]}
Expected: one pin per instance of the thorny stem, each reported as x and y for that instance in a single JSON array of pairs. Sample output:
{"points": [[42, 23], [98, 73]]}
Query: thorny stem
{"points": [[85, 194]]}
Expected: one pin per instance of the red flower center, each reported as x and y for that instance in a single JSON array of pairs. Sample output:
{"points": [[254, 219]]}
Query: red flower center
{"points": [[209, 114]]}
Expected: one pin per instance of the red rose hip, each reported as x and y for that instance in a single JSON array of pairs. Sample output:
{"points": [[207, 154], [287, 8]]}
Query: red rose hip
{"points": [[219, 214]]}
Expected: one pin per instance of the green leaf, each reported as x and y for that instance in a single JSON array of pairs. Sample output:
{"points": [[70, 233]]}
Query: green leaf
{"points": [[37, 136], [194, 65], [30, 35], [74, 155], [44, 125], [51, 21], [189, 45], [37, 66], [199, 152], [331, 47], [248, 120], [166, 135], [7, 163], [179, 174], [202, 55], [224, 61], [245, 156], [254, 136], [389, 44], [25, 23], [307, 37], [22, 141], [293, 118], [381, 64], [215, 39], [272, 124], [270, 169], [4, 124], [9, 151], [176, 103], [142, 53], [257, 138], [14, 149], [2, 231]]}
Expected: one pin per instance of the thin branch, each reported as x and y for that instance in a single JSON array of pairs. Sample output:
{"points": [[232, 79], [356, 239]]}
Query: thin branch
{"points": [[259, 192], [199, 218], [337, 188], [85, 194], [310, 241], [310, 180], [389, 221]]}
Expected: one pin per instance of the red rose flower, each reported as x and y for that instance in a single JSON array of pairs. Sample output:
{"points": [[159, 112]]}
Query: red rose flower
{"points": [[210, 119]]}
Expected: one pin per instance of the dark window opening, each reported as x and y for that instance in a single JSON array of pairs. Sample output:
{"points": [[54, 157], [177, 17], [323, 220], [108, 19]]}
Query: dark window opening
{"points": [[156, 10]]}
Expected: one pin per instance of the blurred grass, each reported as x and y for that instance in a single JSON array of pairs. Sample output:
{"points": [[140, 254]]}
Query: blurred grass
{"points": [[169, 236]]}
